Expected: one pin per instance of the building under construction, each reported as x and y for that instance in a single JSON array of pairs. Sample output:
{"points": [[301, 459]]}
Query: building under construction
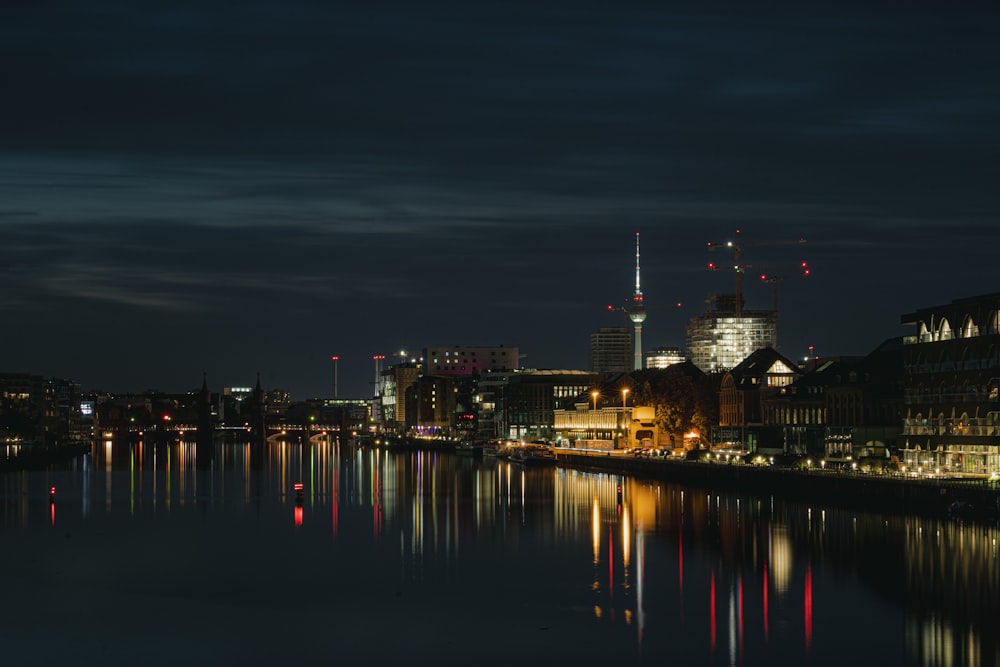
{"points": [[727, 333]]}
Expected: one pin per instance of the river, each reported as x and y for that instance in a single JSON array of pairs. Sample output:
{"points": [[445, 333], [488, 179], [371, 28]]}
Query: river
{"points": [[149, 554]]}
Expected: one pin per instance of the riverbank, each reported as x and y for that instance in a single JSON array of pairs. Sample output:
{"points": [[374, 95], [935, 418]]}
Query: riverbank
{"points": [[881, 493]]}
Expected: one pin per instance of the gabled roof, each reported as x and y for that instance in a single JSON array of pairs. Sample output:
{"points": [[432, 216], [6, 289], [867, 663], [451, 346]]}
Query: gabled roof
{"points": [[760, 363]]}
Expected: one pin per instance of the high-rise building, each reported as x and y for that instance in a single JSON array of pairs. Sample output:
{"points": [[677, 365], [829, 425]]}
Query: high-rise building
{"points": [[610, 350], [727, 333], [662, 357]]}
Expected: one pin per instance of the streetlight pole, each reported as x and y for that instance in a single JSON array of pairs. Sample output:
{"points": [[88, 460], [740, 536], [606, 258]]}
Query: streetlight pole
{"points": [[335, 359]]}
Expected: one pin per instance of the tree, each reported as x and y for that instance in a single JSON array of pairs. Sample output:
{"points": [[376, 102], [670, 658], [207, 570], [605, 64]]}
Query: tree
{"points": [[683, 397]]}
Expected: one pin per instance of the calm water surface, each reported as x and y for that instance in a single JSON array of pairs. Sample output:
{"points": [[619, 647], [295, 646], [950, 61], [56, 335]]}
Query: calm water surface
{"points": [[147, 555]]}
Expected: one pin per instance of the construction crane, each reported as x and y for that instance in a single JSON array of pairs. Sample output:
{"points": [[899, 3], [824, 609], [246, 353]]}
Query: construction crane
{"points": [[737, 248], [774, 280]]}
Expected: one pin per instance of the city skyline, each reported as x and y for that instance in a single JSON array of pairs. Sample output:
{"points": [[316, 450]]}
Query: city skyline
{"points": [[197, 191]]}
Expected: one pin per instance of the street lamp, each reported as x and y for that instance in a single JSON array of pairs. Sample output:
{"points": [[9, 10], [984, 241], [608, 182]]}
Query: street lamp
{"points": [[594, 394]]}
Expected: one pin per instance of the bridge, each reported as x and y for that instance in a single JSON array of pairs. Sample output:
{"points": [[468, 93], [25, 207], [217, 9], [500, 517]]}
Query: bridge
{"points": [[302, 432]]}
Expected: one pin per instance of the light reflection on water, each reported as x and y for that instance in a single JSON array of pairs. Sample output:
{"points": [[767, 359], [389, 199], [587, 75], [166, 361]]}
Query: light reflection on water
{"points": [[402, 554]]}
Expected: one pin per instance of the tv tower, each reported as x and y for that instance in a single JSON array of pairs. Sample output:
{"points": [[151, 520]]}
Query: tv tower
{"points": [[637, 312]]}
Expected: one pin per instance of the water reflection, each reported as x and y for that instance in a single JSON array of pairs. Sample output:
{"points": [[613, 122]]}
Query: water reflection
{"points": [[676, 573]]}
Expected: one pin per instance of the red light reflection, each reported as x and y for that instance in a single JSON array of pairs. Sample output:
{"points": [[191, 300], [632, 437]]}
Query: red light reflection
{"points": [[809, 606], [711, 612]]}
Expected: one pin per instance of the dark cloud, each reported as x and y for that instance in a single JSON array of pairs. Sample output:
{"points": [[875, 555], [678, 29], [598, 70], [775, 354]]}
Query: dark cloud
{"points": [[236, 187]]}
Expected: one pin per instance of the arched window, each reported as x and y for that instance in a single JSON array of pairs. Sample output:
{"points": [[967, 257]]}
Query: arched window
{"points": [[944, 331], [993, 322], [969, 328]]}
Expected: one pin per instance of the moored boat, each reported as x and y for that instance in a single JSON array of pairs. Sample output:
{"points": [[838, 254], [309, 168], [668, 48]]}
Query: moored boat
{"points": [[533, 454]]}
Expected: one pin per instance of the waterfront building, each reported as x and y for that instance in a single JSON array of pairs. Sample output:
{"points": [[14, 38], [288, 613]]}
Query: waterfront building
{"points": [[430, 405], [602, 423], [439, 405], [34, 409], [663, 357], [842, 409], [396, 379], [487, 396], [952, 387], [610, 350], [526, 403], [742, 394], [726, 333]]}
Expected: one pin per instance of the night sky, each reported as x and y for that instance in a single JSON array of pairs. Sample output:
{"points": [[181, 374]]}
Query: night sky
{"points": [[239, 187]]}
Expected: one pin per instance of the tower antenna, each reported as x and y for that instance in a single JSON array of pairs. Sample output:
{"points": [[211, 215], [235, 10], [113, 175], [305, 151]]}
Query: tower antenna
{"points": [[637, 312]]}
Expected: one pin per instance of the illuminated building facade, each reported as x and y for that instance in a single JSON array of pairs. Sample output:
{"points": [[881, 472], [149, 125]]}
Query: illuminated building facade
{"points": [[662, 357], [612, 425], [726, 335], [952, 388], [610, 350]]}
